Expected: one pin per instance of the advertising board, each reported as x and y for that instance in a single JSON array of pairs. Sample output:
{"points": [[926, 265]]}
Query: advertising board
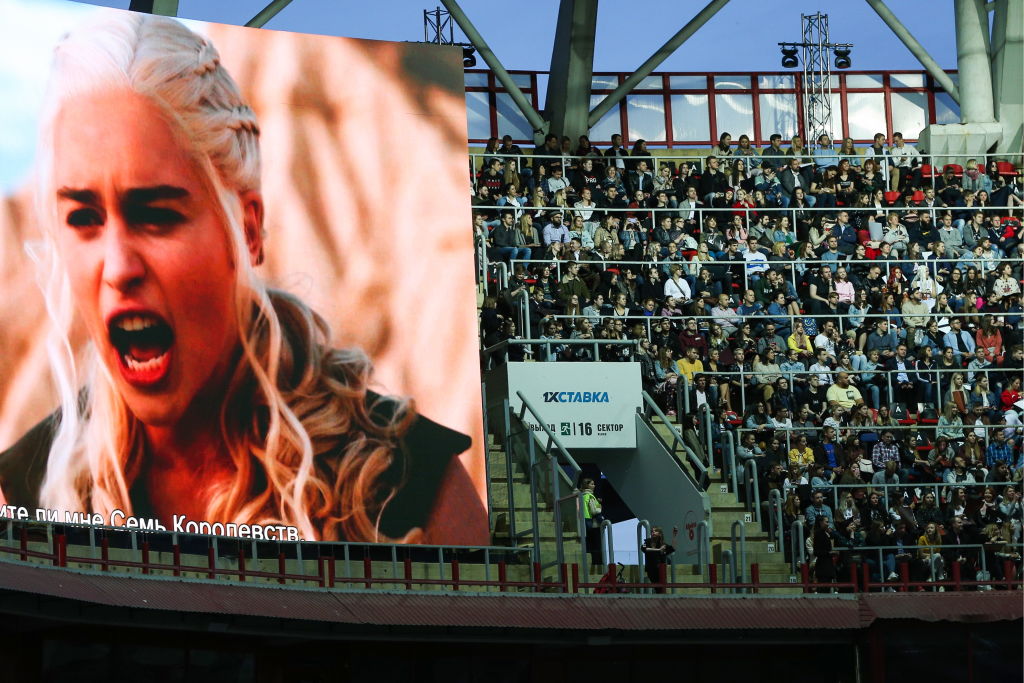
{"points": [[590, 405]]}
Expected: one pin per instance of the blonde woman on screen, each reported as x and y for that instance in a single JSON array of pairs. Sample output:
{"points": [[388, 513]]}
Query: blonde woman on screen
{"points": [[202, 392]]}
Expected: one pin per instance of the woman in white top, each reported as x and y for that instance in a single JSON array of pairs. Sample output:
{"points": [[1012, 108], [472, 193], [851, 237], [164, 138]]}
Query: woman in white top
{"points": [[676, 286]]}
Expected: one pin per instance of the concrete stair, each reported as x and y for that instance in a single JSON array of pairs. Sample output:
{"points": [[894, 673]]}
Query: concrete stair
{"points": [[725, 510]]}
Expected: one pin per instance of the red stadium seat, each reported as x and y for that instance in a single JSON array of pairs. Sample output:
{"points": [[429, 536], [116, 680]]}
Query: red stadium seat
{"points": [[1006, 168], [927, 171], [891, 197], [958, 170], [918, 196]]}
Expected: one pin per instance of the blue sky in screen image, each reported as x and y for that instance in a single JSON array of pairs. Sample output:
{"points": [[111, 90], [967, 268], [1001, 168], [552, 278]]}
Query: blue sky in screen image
{"points": [[743, 36]]}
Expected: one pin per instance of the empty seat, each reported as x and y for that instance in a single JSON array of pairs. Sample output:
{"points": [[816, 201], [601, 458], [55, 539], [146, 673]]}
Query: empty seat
{"points": [[927, 171], [1006, 168], [891, 197], [918, 196]]}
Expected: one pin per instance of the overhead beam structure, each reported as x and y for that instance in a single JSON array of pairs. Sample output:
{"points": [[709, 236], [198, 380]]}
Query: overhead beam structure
{"points": [[916, 49], [655, 60], [483, 49], [267, 13]]}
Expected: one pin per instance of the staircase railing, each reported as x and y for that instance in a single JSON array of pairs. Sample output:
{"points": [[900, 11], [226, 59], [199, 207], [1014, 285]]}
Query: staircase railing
{"points": [[553, 475], [677, 445]]}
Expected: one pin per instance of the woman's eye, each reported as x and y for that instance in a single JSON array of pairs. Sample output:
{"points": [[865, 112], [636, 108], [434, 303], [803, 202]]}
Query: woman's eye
{"points": [[148, 215], [84, 218]]}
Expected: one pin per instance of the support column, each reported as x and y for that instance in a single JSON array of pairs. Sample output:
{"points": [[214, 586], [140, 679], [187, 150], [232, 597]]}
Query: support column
{"points": [[1007, 84], [972, 58], [567, 104]]}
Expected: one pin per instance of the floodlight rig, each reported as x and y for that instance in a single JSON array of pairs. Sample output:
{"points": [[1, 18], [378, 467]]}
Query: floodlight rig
{"points": [[438, 28], [817, 77]]}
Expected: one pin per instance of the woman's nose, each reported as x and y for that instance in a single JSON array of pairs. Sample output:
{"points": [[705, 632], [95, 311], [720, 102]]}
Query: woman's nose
{"points": [[123, 266]]}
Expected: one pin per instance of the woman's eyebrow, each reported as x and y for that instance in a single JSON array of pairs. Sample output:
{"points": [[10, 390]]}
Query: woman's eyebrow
{"points": [[145, 195], [75, 195]]}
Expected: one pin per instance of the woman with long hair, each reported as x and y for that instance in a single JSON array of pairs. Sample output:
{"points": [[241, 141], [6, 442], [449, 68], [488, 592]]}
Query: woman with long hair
{"points": [[826, 189], [203, 393], [957, 394]]}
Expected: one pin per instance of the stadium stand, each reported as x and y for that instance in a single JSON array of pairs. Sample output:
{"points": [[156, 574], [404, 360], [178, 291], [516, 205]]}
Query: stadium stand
{"points": [[846, 323]]}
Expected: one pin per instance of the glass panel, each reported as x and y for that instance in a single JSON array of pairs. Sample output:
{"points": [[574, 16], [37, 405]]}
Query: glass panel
{"points": [[732, 82], [778, 115], [688, 82], [478, 115], [649, 83], [690, 121], [864, 80], [646, 117], [768, 81], [946, 110], [510, 119], [955, 77], [608, 125], [865, 112], [735, 115], [909, 113], [906, 80], [476, 80], [607, 82], [522, 80]]}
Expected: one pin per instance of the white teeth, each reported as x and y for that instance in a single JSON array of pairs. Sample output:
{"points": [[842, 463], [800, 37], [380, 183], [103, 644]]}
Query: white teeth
{"points": [[137, 322], [144, 366]]}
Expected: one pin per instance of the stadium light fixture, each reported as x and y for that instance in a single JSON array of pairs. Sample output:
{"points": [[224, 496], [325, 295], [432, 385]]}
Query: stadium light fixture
{"points": [[789, 59], [842, 57]]}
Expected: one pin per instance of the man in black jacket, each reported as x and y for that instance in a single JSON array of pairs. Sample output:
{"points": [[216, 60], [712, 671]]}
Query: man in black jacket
{"points": [[791, 178], [713, 183]]}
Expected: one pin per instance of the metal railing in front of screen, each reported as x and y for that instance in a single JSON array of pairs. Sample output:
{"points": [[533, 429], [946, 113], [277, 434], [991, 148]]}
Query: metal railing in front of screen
{"points": [[341, 565], [677, 446]]}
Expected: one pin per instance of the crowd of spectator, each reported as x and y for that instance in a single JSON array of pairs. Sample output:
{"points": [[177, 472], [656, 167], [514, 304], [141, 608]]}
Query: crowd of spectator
{"points": [[853, 317]]}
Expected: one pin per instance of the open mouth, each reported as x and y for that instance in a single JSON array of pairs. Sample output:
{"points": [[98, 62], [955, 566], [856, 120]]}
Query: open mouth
{"points": [[143, 342]]}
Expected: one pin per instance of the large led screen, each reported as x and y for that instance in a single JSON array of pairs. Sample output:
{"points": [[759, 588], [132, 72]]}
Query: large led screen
{"points": [[238, 281]]}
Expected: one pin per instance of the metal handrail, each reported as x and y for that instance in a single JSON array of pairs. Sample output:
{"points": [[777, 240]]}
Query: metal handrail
{"points": [[642, 525], [775, 518], [677, 440], [682, 396], [753, 489], [607, 542], [703, 535], [738, 576], [798, 545], [729, 460], [729, 566]]}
